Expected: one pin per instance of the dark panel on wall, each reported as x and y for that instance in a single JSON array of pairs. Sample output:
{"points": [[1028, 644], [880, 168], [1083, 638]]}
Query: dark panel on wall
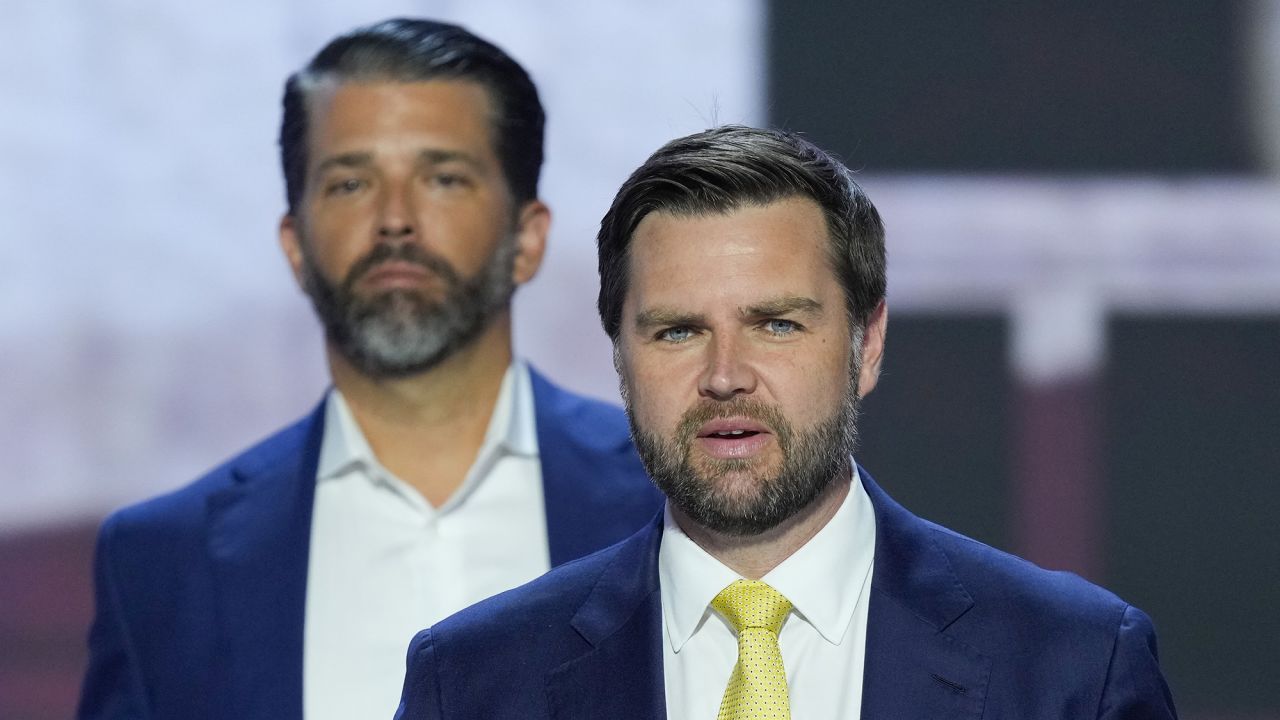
{"points": [[46, 605], [935, 429], [1193, 453], [1083, 86]]}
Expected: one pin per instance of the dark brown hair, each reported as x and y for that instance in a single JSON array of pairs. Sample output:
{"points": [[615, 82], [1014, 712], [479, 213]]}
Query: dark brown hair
{"points": [[407, 50], [719, 170]]}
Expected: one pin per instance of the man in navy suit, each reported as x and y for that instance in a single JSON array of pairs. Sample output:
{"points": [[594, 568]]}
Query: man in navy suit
{"points": [[438, 470], [742, 282]]}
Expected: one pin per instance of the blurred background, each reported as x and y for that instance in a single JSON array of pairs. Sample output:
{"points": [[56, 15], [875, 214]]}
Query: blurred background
{"points": [[1083, 207]]}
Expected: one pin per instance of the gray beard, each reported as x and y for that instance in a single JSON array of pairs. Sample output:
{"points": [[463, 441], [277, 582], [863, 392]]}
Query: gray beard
{"points": [[403, 332], [812, 459]]}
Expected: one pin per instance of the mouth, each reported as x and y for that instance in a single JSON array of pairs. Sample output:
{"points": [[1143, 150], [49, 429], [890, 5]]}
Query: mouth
{"points": [[733, 438], [396, 274]]}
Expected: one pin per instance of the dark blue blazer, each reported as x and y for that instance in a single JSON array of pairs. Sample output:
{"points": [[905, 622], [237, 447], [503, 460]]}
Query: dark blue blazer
{"points": [[201, 594], [955, 630]]}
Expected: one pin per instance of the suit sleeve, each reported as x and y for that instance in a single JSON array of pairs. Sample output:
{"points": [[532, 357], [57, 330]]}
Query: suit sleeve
{"points": [[1135, 688], [420, 699], [113, 685]]}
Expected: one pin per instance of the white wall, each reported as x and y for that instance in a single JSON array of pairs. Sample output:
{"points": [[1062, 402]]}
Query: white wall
{"points": [[148, 325]]}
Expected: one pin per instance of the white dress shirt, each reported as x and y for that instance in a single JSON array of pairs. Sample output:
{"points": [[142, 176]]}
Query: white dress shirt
{"points": [[385, 564], [823, 640]]}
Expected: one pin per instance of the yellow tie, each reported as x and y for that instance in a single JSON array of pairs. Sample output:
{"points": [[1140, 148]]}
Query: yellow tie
{"points": [[758, 686]]}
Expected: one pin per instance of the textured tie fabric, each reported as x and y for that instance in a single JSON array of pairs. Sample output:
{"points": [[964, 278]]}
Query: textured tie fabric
{"points": [[758, 686]]}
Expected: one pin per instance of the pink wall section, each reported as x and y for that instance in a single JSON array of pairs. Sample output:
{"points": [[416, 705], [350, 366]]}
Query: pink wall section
{"points": [[45, 608]]}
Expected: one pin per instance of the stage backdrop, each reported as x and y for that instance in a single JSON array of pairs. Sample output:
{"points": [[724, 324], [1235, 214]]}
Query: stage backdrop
{"points": [[149, 324], [1084, 243]]}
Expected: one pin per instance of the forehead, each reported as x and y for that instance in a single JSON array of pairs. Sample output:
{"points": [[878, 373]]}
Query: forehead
{"points": [[732, 257], [350, 112]]}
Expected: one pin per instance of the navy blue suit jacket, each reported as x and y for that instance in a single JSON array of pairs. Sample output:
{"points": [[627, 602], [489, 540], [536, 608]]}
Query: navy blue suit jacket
{"points": [[955, 630], [201, 594]]}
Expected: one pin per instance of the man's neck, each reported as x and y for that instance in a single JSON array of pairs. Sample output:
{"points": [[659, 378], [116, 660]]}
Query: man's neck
{"points": [[755, 556], [428, 428]]}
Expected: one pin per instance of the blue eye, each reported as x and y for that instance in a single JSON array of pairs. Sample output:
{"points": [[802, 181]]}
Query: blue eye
{"points": [[778, 326], [676, 334]]}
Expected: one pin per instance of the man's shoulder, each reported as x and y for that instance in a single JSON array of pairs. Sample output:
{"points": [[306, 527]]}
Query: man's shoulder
{"points": [[171, 514], [607, 421], [531, 625], [548, 607], [1019, 590], [988, 597], [592, 473], [1035, 618], [493, 659], [1050, 642], [548, 601]]}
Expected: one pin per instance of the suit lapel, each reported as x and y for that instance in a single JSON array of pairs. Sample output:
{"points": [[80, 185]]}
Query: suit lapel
{"points": [[259, 540], [913, 669], [621, 676], [591, 477]]}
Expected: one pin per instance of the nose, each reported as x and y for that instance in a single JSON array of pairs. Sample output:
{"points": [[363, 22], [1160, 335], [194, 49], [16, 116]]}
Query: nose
{"points": [[728, 372], [395, 213]]}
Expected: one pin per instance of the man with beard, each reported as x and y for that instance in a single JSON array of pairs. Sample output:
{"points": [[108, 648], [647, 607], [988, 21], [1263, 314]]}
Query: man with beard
{"points": [[742, 281], [438, 471]]}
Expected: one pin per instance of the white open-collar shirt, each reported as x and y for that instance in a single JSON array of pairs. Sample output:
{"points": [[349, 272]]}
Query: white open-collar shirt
{"points": [[385, 564], [823, 640]]}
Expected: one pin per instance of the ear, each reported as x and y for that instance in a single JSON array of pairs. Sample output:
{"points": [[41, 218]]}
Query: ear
{"points": [[291, 244], [873, 348], [532, 226]]}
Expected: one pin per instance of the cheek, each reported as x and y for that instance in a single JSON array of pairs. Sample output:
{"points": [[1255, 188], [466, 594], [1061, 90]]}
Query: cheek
{"points": [[656, 395], [336, 259], [334, 243], [811, 391], [466, 236]]}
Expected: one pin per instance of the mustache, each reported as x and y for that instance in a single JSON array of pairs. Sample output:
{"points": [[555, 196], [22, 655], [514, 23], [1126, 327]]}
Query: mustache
{"points": [[745, 407], [407, 253]]}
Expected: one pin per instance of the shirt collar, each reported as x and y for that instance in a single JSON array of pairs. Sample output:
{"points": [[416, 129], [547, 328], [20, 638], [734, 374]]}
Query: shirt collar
{"points": [[344, 446], [689, 578], [513, 426], [823, 579], [511, 430]]}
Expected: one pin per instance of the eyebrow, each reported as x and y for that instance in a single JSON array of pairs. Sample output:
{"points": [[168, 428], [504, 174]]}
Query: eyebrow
{"points": [[437, 157], [667, 317], [345, 160], [360, 159], [784, 305]]}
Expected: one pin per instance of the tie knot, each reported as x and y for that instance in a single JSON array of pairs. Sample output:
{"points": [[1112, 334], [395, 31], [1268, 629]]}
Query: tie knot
{"points": [[752, 604]]}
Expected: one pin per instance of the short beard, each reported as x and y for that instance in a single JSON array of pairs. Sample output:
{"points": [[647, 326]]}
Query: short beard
{"points": [[812, 460], [403, 332]]}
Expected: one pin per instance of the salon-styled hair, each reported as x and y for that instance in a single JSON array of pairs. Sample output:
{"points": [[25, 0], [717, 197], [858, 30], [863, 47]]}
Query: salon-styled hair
{"points": [[409, 50], [720, 170]]}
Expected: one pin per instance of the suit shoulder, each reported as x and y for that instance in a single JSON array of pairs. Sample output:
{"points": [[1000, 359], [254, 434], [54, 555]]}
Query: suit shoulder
{"points": [[499, 649], [492, 659], [1007, 586], [1035, 622], [174, 513], [529, 610], [606, 420]]}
